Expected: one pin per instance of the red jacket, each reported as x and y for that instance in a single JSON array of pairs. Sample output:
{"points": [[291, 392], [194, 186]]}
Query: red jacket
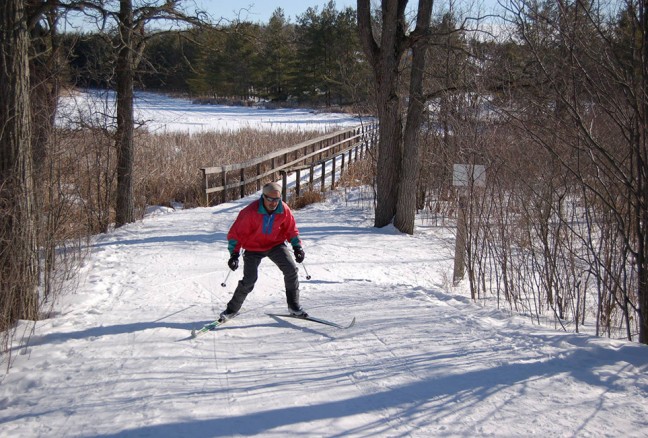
{"points": [[255, 229]]}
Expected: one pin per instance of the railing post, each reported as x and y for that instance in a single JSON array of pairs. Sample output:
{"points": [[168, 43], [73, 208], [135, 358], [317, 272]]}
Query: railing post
{"points": [[297, 178], [242, 183], [284, 184], [323, 177], [224, 181], [333, 174], [206, 185], [273, 164]]}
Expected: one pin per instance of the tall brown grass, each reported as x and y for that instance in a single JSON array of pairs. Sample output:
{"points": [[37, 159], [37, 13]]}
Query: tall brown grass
{"points": [[168, 166], [167, 170]]}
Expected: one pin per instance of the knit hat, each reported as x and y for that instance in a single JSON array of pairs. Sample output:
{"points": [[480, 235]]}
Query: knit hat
{"points": [[271, 187]]}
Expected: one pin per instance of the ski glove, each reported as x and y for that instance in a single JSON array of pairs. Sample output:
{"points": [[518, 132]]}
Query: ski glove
{"points": [[233, 261], [299, 254]]}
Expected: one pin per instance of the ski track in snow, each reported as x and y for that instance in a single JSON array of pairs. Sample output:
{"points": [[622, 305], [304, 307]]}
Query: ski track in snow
{"points": [[421, 361]]}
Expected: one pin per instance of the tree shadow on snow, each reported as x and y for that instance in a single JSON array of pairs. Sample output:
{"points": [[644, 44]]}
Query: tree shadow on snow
{"points": [[421, 403], [207, 237]]}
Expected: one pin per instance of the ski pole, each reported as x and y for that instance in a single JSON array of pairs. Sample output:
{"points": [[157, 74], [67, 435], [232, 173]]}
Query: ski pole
{"points": [[224, 283], [308, 277]]}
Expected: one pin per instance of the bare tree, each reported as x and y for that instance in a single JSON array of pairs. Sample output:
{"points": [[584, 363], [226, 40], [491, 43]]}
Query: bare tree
{"points": [[126, 63], [398, 149], [131, 18], [18, 256]]}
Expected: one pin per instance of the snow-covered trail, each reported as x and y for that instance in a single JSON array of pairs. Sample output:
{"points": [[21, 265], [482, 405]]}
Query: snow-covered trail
{"points": [[419, 362]]}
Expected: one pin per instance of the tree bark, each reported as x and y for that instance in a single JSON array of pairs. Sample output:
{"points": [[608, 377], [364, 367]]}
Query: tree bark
{"points": [[18, 255], [398, 151], [410, 166], [385, 58], [125, 206], [642, 189]]}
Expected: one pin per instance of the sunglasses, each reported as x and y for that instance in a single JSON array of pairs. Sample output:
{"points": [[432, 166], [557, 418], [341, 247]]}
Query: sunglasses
{"points": [[269, 199]]}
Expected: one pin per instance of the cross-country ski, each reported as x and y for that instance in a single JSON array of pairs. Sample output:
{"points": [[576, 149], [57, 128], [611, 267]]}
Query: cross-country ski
{"points": [[208, 327], [314, 319]]}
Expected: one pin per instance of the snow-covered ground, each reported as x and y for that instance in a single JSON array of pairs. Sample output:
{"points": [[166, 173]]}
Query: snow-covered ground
{"points": [[161, 113], [422, 360]]}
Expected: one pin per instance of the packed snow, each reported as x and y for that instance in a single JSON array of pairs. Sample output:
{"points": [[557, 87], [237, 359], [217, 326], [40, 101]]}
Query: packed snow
{"points": [[116, 358]]}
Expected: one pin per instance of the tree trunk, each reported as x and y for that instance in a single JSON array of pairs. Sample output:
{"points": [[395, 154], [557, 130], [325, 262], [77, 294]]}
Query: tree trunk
{"points": [[642, 189], [18, 255], [125, 207], [389, 160], [385, 62], [398, 161], [407, 189]]}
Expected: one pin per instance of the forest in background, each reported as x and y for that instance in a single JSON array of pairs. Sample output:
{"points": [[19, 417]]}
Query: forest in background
{"points": [[315, 61]]}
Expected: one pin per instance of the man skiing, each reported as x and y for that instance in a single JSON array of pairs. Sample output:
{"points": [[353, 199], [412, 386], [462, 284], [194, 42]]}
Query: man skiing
{"points": [[261, 230]]}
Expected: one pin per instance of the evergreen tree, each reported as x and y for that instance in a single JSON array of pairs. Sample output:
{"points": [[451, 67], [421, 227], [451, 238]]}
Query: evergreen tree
{"points": [[90, 59], [168, 62], [238, 60], [208, 71], [277, 60]]}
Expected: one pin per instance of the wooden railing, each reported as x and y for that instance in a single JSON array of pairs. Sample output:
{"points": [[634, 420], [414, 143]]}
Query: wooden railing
{"points": [[239, 180]]}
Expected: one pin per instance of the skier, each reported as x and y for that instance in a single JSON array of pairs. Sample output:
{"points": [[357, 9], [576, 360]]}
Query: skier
{"points": [[261, 230]]}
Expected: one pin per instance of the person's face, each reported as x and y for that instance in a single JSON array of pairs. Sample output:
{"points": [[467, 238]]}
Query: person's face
{"points": [[271, 200]]}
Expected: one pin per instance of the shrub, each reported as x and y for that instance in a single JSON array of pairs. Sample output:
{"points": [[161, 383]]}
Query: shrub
{"points": [[304, 199]]}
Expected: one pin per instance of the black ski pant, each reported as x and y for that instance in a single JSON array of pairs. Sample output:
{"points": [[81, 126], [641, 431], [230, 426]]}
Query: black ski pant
{"points": [[251, 260]]}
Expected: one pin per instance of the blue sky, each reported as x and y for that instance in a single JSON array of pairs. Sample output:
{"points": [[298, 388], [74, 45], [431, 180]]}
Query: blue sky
{"points": [[257, 11], [261, 10]]}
